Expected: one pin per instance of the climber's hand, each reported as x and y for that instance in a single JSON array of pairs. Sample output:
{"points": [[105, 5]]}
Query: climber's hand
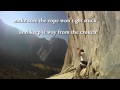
{"points": [[77, 48], [90, 63]]}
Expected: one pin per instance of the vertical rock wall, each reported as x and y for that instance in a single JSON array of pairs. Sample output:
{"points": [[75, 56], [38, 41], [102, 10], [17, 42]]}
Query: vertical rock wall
{"points": [[102, 49]]}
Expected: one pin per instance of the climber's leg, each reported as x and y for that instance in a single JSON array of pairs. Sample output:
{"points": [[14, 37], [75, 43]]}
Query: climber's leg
{"points": [[78, 70]]}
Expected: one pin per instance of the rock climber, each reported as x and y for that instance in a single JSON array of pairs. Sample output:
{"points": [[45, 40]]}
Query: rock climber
{"points": [[83, 61]]}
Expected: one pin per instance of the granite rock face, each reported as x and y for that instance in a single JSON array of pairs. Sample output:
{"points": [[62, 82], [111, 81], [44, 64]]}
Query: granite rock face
{"points": [[102, 48]]}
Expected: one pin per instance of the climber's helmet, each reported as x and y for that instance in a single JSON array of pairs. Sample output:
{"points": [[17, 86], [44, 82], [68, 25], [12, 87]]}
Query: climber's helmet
{"points": [[81, 50]]}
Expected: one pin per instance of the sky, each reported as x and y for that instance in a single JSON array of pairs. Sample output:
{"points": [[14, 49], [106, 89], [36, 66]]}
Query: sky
{"points": [[9, 17]]}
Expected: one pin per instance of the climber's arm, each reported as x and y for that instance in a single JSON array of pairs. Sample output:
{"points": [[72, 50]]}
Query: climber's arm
{"points": [[89, 62], [78, 51]]}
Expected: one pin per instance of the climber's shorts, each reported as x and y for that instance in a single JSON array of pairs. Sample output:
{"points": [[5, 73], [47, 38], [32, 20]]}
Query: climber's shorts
{"points": [[83, 64]]}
